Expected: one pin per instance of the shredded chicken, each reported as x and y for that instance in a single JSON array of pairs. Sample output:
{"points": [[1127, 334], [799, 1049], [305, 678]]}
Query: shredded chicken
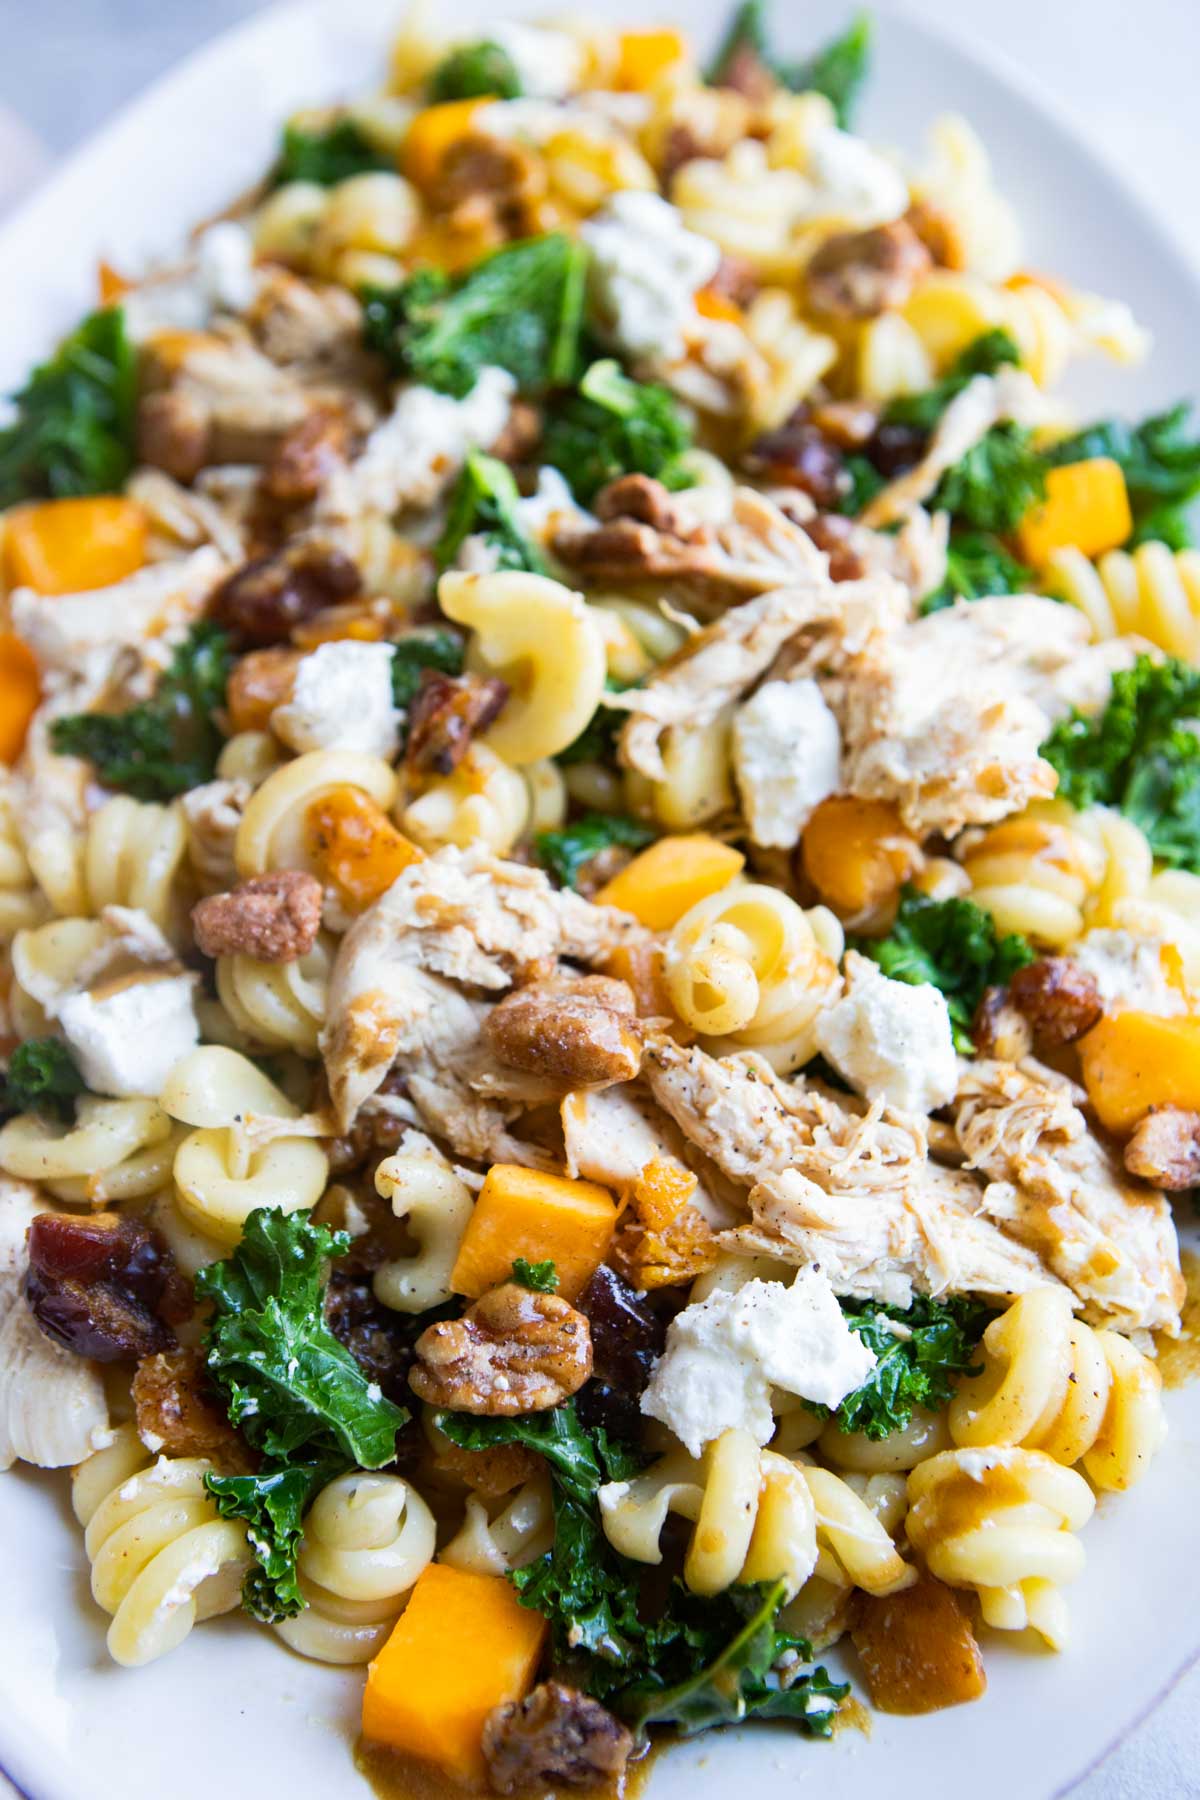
{"points": [[610, 1134], [1055, 1187], [853, 1191]]}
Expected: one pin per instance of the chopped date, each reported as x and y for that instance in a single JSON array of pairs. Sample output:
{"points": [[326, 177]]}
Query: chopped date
{"points": [[261, 602], [894, 448], [557, 1736], [104, 1285], [799, 454], [627, 1338]]}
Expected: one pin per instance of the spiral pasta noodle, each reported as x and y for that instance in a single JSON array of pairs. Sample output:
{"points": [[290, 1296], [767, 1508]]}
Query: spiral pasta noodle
{"points": [[1002, 1521], [21, 903], [696, 786], [1053, 872], [366, 1539], [1152, 592], [518, 1533], [273, 833], [1052, 1383], [436, 1206], [482, 802], [162, 1557], [278, 1005], [113, 1150]]}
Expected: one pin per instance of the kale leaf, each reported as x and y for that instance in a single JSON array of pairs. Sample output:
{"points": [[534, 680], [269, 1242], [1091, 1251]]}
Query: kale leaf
{"points": [[74, 429], [520, 309], [865, 482], [541, 1277], [838, 70], [1139, 755], [411, 656], [978, 565], [473, 71], [990, 351], [329, 156], [485, 500], [294, 1391], [597, 741], [42, 1077], [1160, 459], [615, 426], [954, 945], [915, 1365], [166, 744], [996, 482], [565, 852]]}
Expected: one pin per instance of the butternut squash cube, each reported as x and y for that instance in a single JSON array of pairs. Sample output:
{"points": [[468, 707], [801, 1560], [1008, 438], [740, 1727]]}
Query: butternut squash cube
{"points": [[1134, 1061], [522, 1212], [858, 855], [356, 847], [462, 1646], [432, 133], [917, 1649], [663, 882], [1086, 507], [642, 56], [69, 546], [19, 693]]}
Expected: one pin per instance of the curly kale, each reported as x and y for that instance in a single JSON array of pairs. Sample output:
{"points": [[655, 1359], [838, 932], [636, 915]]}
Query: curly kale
{"points": [[838, 70], [43, 1078], [1140, 754], [990, 351], [473, 71], [919, 1352], [484, 502], [954, 945], [539, 1277], [1160, 459], [616, 426], [977, 566], [329, 156], [74, 429], [168, 743], [520, 309], [996, 483]]}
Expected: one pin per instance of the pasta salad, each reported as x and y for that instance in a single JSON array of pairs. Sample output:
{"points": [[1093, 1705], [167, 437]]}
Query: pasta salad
{"points": [[599, 909]]}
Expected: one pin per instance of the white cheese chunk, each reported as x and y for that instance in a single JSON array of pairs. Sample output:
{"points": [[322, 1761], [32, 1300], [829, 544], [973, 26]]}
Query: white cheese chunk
{"points": [[725, 1354], [892, 1041], [786, 755], [219, 277], [416, 453], [549, 63], [1128, 970], [128, 1039], [341, 700], [646, 268], [856, 183]]}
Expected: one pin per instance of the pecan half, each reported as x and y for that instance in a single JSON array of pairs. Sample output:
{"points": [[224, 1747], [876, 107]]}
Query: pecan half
{"points": [[273, 918], [514, 1351], [261, 602], [178, 1413], [1165, 1149], [306, 456], [521, 435], [860, 274], [447, 712], [638, 497], [582, 1033], [555, 1737], [1060, 999]]}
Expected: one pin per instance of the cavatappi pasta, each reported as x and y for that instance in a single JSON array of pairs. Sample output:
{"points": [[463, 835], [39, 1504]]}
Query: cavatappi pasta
{"points": [[599, 907]]}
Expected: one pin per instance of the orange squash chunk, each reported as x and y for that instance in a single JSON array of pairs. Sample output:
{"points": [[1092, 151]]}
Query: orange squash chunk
{"points": [[662, 882], [1086, 507], [462, 1646], [917, 1649], [857, 854], [642, 56], [432, 133], [523, 1212], [355, 846], [1134, 1061], [69, 546], [19, 693]]}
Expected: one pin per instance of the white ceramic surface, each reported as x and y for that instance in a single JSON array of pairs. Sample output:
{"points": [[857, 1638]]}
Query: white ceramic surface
{"points": [[232, 1711]]}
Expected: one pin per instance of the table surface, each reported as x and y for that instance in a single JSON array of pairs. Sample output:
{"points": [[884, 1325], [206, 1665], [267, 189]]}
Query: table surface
{"points": [[69, 64]]}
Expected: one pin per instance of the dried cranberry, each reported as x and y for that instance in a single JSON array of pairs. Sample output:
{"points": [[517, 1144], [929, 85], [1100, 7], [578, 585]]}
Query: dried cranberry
{"points": [[627, 1337], [104, 1285], [895, 448], [799, 455]]}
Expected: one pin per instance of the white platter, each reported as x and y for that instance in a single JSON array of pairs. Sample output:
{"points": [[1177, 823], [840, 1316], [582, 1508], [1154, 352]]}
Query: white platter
{"points": [[232, 1712]]}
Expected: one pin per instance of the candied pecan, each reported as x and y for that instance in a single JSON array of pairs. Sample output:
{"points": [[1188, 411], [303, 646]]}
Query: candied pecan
{"points": [[274, 918], [748, 74], [582, 1033], [627, 1339], [800, 455], [627, 550], [939, 233], [447, 712], [556, 1737], [834, 534], [1060, 999], [258, 683], [514, 1351], [638, 497], [173, 432], [490, 180], [178, 1412], [681, 145], [521, 435], [999, 1028], [678, 1253], [860, 274], [1165, 1149], [104, 1285], [261, 602], [306, 456]]}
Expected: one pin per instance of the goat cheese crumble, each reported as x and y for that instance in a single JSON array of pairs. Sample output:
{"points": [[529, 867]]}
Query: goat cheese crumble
{"points": [[646, 268], [418, 450], [787, 754], [549, 63], [892, 1041], [342, 699], [726, 1353], [128, 1039]]}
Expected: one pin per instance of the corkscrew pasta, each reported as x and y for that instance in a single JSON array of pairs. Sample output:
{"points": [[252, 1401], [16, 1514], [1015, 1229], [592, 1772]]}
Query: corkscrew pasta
{"points": [[1153, 592], [435, 1205]]}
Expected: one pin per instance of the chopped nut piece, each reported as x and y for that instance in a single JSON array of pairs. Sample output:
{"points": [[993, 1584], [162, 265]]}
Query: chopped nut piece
{"points": [[273, 918], [1165, 1149], [555, 1736], [860, 274], [264, 599], [258, 683], [514, 1351], [447, 712], [306, 456], [581, 1033], [917, 1649], [999, 1029], [1060, 999], [178, 1414], [173, 432], [939, 233]]}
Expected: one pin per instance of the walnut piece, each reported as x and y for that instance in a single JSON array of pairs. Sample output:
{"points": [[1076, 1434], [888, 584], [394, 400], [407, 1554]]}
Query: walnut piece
{"points": [[447, 712], [582, 1033], [514, 1351], [860, 274], [1165, 1149], [1060, 1000], [555, 1737], [273, 918]]}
